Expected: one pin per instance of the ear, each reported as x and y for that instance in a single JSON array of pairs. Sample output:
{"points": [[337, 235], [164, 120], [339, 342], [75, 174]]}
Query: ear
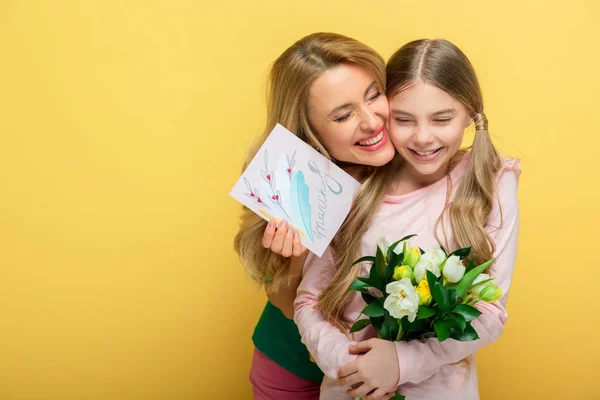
{"points": [[469, 121]]}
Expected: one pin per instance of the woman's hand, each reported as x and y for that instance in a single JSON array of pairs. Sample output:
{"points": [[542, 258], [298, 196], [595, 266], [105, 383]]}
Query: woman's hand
{"points": [[282, 239]]}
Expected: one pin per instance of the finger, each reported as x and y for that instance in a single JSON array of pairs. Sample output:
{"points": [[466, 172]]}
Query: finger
{"points": [[360, 347], [348, 369], [378, 394], [298, 247], [389, 395], [277, 244], [350, 380], [288, 242], [360, 391], [269, 234]]}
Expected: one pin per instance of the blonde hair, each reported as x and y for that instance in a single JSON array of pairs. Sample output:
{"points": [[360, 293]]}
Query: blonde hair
{"points": [[444, 65], [288, 95]]}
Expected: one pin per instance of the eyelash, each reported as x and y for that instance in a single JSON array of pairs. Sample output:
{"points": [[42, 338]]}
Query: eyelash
{"points": [[439, 120], [345, 117], [376, 95]]}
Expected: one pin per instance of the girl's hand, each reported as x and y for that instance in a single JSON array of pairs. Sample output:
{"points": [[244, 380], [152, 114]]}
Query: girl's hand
{"points": [[375, 370]]}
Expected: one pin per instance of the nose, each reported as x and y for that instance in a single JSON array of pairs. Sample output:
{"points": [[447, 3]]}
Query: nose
{"points": [[369, 121], [422, 136]]}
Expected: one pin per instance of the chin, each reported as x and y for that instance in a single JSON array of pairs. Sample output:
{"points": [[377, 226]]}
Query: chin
{"points": [[426, 171], [378, 160]]}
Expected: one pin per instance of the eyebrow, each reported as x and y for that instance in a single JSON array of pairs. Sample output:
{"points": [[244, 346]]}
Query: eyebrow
{"points": [[435, 114], [346, 105]]}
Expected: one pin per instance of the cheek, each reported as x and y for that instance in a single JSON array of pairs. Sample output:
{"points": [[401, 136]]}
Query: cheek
{"points": [[454, 134], [399, 134], [337, 139], [383, 109]]}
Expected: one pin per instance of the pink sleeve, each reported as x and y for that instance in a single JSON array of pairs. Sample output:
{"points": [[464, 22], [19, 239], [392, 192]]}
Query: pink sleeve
{"points": [[326, 343], [419, 360]]}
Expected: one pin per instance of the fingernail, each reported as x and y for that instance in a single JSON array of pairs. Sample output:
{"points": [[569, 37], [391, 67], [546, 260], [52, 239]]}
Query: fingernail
{"points": [[272, 223], [290, 230], [296, 235], [283, 224]]}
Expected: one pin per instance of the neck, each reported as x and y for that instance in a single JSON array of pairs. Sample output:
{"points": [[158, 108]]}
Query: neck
{"points": [[417, 180]]}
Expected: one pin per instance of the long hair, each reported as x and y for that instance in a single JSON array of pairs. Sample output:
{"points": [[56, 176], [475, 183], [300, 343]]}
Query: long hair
{"points": [[288, 98], [440, 63]]}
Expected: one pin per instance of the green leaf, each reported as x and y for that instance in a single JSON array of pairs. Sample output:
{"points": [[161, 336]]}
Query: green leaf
{"points": [[371, 282], [468, 335], [462, 253], [367, 297], [482, 283], [358, 284], [378, 269], [431, 279], [389, 328], [470, 265], [360, 325], [375, 309], [463, 285], [362, 259], [468, 312], [425, 312], [393, 245], [452, 296], [444, 250], [393, 262], [396, 259], [377, 323], [416, 325], [441, 296], [397, 397], [458, 322], [442, 330]]}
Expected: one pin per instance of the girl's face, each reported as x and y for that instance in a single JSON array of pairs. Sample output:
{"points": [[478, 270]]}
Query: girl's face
{"points": [[349, 113], [427, 127]]}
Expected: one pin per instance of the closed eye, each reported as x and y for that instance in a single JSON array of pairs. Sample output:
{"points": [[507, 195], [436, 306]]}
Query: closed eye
{"points": [[376, 95], [343, 117]]}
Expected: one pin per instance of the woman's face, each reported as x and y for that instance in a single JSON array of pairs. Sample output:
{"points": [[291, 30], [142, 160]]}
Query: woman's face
{"points": [[349, 113]]}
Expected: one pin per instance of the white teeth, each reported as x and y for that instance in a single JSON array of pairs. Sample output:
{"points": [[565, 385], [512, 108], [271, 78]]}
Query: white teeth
{"points": [[425, 153], [373, 141]]}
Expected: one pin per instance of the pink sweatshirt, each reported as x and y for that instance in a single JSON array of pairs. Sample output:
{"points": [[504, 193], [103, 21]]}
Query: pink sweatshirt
{"points": [[428, 369]]}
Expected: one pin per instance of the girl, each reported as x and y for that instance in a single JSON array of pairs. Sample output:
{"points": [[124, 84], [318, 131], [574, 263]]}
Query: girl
{"points": [[328, 90], [446, 196]]}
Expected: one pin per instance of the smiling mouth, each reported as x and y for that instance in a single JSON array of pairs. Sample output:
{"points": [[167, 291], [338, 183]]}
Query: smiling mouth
{"points": [[372, 141], [426, 152]]}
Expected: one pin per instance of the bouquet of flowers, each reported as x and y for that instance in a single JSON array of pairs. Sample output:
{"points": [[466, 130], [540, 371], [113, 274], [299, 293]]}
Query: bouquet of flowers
{"points": [[413, 294]]}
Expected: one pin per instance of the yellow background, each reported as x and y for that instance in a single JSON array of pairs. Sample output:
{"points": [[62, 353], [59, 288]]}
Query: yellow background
{"points": [[124, 125]]}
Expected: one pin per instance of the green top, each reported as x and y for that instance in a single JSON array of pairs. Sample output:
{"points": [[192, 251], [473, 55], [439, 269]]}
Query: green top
{"points": [[278, 338]]}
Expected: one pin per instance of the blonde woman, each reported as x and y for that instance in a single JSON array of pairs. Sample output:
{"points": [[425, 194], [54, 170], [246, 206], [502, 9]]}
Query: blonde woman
{"points": [[329, 90]]}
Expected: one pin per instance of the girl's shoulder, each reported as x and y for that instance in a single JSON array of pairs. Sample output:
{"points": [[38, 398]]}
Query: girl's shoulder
{"points": [[509, 173], [511, 165]]}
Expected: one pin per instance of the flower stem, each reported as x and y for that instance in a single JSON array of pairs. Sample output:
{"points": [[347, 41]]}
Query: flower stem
{"points": [[399, 335]]}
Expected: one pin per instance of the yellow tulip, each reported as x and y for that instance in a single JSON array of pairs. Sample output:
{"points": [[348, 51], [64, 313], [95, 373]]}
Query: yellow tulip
{"points": [[424, 293], [403, 271]]}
